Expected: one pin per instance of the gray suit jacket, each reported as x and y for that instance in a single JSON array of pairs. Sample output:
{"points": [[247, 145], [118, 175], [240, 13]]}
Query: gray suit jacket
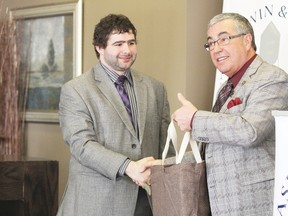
{"points": [[97, 128], [240, 150]]}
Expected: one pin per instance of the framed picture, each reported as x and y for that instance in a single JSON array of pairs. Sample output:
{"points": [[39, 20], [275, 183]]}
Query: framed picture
{"points": [[52, 35]]}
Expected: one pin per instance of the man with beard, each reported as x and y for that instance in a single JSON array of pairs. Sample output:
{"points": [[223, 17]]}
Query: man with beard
{"points": [[115, 121]]}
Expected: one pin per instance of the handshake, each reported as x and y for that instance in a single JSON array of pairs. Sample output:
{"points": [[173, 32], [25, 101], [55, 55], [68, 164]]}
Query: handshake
{"points": [[140, 171]]}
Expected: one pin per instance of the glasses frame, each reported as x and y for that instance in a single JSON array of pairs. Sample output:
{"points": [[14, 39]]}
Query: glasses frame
{"points": [[208, 48]]}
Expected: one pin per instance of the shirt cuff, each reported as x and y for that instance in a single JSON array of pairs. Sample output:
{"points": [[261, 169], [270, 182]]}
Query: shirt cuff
{"points": [[123, 167], [191, 122]]}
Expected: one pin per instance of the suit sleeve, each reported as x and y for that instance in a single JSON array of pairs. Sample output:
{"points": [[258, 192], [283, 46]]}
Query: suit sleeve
{"points": [[249, 123]]}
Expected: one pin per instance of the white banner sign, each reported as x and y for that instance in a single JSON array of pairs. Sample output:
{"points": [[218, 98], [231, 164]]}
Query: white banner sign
{"points": [[281, 169]]}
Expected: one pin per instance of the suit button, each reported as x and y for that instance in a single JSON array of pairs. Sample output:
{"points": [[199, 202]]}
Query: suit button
{"points": [[133, 146]]}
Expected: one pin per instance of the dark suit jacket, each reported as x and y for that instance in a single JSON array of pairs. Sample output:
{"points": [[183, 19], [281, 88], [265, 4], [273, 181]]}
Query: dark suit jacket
{"points": [[97, 128]]}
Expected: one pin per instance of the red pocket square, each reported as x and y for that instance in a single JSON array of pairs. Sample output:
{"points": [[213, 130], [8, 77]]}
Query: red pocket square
{"points": [[234, 102]]}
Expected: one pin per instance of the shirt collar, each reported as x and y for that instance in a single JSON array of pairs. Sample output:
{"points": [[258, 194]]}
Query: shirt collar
{"points": [[114, 76]]}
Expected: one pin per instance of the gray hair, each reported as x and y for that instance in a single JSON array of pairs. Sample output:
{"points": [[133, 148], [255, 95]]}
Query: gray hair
{"points": [[242, 24]]}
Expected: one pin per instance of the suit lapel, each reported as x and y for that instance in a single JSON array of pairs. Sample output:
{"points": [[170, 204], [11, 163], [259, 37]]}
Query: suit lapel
{"points": [[141, 98], [251, 70], [108, 89]]}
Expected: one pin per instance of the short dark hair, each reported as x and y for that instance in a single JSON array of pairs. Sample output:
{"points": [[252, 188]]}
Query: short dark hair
{"points": [[111, 23]]}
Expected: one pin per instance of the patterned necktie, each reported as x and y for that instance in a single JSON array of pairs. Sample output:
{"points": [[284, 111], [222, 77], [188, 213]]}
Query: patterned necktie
{"points": [[223, 96], [123, 94]]}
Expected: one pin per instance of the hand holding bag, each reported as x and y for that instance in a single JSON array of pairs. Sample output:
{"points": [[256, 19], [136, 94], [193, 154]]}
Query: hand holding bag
{"points": [[180, 189]]}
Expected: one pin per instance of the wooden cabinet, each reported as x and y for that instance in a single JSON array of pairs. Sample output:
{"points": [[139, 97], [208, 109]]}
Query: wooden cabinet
{"points": [[28, 187]]}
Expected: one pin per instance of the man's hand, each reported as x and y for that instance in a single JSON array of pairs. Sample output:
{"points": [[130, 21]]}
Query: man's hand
{"points": [[184, 114], [139, 171]]}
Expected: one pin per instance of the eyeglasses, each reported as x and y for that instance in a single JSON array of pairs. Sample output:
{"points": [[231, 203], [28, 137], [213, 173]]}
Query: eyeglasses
{"points": [[222, 41]]}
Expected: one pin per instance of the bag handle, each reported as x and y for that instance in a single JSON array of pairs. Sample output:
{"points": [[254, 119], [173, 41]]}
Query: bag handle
{"points": [[195, 149], [172, 135]]}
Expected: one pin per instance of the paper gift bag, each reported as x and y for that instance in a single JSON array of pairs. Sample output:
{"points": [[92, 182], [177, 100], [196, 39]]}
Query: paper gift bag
{"points": [[180, 189]]}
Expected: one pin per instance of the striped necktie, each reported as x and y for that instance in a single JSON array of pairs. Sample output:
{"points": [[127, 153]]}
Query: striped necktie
{"points": [[123, 94], [223, 96]]}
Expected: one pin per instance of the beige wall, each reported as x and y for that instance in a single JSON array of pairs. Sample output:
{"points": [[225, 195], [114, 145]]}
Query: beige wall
{"points": [[171, 34]]}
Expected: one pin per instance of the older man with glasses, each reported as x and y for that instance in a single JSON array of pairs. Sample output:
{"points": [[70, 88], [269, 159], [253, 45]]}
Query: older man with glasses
{"points": [[239, 132]]}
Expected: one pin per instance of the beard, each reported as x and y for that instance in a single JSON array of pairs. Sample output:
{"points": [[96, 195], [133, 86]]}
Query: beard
{"points": [[120, 63]]}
